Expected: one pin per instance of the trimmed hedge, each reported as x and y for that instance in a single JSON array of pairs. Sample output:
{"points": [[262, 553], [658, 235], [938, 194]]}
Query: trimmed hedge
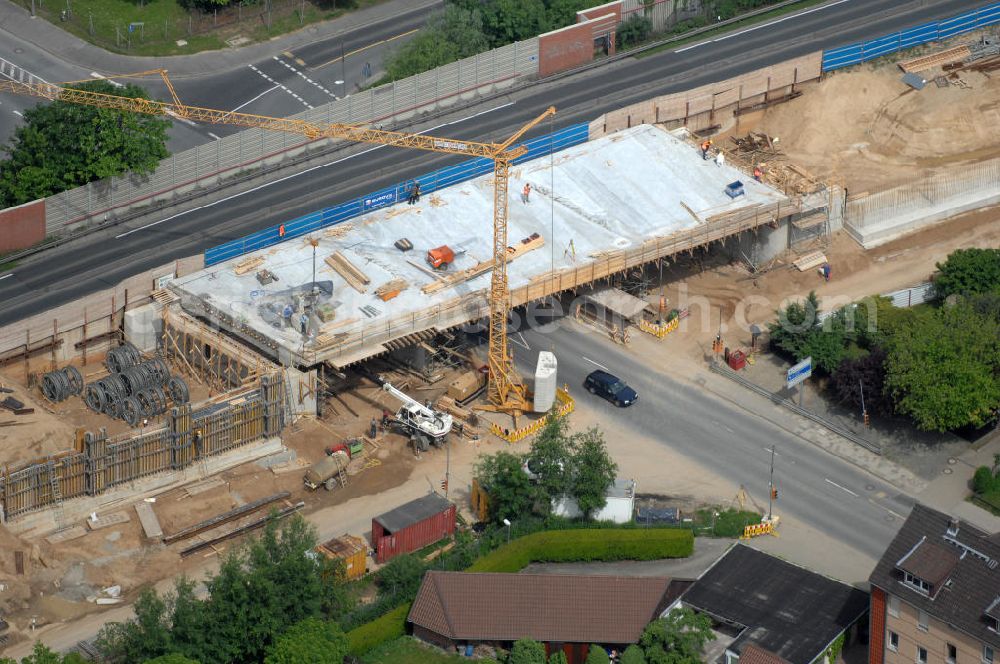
{"points": [[587, 545], [390, 626]]}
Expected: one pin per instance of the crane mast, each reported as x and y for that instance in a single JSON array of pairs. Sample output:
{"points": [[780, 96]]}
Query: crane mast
{"points": [[506, 392]]}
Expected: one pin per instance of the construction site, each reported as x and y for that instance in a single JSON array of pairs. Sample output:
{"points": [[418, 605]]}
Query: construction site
{"points": [[352, 352]]}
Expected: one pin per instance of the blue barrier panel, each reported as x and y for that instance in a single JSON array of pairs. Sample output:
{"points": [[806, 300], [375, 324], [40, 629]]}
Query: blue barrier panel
{"points": [[430, 182], [845, 56]]}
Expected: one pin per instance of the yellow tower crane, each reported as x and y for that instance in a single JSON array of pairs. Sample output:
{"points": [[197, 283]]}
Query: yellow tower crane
{"points": [[506, 392]]}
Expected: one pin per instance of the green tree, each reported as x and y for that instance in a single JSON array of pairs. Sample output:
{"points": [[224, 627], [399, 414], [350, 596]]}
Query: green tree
{"points": [[633, 655], [943, 369], [187, 615], [794, 326], [867, 374], [596, 655], [511, 491], [679, 638], [172, 658], [968, 272], [507, 21], [41, 654], [63, 145], [551, 457], [593, 471], [401, 576], [527, 651], [310, 640], [558, 657], [451, 35], [633, 31], [563, 12], [144, 637]]}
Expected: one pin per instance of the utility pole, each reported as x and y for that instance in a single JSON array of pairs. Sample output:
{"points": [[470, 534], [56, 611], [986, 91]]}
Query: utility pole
{"points": [[770, 488], [864, 411], [447, 467]]}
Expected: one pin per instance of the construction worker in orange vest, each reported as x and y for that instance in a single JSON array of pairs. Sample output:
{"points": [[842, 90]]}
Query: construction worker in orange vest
{"points": [[281, 230], [757, 173], [526, 193], [705, 146]]}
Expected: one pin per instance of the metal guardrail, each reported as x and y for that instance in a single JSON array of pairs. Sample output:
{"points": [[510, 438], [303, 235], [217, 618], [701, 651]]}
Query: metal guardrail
{"points": [[853, 54], [429, 182], [798, 410]]}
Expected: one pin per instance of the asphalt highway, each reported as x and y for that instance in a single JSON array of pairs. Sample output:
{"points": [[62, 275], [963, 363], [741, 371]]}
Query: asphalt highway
{"points": [[848, 504], [104, 258]]}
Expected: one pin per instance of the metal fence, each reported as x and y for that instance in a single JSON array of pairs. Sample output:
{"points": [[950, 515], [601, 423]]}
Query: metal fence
{"points": [[845, 56], [429, 182], [185, 438], [254, 149], [935, 192]]}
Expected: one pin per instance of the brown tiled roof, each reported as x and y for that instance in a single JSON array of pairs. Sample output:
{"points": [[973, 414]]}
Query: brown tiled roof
{"points": [[562, 608], [971, 587], [754, 654], [931, 562]]}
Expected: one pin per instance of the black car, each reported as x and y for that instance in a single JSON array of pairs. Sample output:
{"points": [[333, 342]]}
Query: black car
{"points": [[611, 388]]}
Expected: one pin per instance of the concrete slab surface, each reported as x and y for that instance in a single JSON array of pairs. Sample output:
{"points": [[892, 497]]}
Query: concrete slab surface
{"points": [[609, 194]]}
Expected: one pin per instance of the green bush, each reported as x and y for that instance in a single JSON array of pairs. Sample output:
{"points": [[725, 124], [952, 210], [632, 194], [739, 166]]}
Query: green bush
{"points": [[390, 626], [587, 545], [633, 31], [984, 481]]}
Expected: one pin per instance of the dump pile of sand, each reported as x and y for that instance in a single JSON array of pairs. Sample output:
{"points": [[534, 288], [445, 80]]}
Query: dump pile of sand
{"points": [[873, 131]]}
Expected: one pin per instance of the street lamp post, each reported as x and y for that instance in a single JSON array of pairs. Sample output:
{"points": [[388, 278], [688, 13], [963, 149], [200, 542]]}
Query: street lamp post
{"points": [[506, 522]]}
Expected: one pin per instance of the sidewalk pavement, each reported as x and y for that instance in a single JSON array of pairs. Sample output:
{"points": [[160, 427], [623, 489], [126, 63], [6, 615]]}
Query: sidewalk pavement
{"points": [[16, 20], [949, 491]]}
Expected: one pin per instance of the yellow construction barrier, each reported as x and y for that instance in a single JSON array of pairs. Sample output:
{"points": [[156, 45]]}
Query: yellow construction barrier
{"points": [[566, 406], [659, 331], [757, 529]]}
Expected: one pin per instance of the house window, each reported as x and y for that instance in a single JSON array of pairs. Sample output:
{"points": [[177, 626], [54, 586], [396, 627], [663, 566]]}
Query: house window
{"points": [[893, 606], [893, 641], [921, 655], [917, 583], [921, 620], [952, 653], [987, 655]]}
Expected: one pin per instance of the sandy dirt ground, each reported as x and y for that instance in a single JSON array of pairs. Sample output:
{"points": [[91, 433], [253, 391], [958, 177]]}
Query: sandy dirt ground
{"points": [[866, 127]]}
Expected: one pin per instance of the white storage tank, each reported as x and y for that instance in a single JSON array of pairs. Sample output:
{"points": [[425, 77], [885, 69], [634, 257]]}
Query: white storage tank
{"points": [[545, 382]]}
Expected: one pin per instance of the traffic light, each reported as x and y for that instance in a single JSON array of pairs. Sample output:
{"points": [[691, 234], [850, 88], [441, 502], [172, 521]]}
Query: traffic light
{"points": [[774, 493], [444, 485], [717, 344], [868, 419]]}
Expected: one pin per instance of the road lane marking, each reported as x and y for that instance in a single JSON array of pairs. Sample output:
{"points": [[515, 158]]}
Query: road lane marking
{"points": [[177, 117], [596, 364], [18, 73], [842, 488], [277, 85], [289, 177], [315, 84], [94, 74], [688, 48], [365, 48], [519, 343], [880, 506], [523, 341], [784, 18], [214, 136], [246, 103], [19, 114], [10, 274]]}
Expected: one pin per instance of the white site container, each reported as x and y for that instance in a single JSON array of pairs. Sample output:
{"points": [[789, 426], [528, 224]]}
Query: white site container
{"points": [[545, 382]]}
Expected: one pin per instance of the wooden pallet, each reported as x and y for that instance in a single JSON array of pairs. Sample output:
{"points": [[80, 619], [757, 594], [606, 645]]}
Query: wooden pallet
{"points": [[248, 265], [938, 59], [354, 277], [108, 520], [164, 296], [810, 260], [391, 289]]}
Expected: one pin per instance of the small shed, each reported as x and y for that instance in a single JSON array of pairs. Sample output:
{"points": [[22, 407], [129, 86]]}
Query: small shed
{"points": [[411, 526], [618, 508], [349, 548]]}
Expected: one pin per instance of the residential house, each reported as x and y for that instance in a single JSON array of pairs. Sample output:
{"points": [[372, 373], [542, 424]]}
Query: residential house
{"points": [[935, 594], [565, 612], [774, 612]]}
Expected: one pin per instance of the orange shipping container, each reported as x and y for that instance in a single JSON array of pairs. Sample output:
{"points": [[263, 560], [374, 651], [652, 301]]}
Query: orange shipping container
{"points": [[352, 550]]}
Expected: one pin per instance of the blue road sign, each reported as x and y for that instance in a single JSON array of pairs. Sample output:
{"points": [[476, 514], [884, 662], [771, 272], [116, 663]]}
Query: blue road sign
{"points": [[799, 372]]}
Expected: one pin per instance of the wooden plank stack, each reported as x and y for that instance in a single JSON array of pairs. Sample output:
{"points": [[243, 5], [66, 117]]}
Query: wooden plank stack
{"points": [[248, 265], [810, 260], [357, 279], [391, 289], [938, 59], [524, 246]]}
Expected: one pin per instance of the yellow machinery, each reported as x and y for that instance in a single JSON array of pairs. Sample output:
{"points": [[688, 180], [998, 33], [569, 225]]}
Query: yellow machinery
{"points": [[506, 392]]}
